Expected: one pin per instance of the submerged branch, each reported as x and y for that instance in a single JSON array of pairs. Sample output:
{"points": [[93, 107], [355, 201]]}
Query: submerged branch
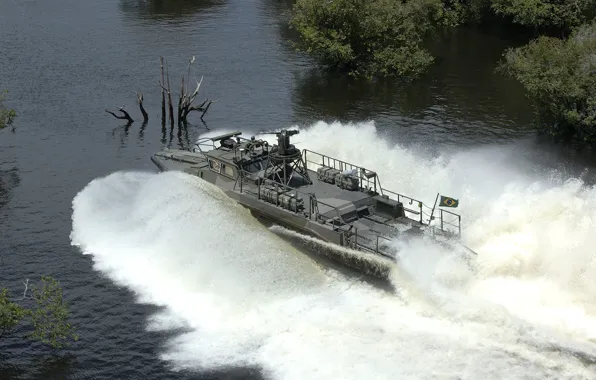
{"points": [[125, 115]]}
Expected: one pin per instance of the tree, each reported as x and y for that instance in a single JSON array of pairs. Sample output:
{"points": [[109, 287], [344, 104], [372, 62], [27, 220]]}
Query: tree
{"points": [[563, 14], [7, 115], [470, 10], [370, 37], [48, 313], [560, 79]]}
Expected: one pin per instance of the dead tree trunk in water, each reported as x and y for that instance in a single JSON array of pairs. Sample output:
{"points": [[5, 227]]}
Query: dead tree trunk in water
{"points": [[185, 100], [140, 99], [181, 97], [171, 108], [163, 94], [125, 115]]}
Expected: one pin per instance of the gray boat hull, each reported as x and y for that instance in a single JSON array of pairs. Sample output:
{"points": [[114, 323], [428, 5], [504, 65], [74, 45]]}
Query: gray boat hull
{"points": [[344, 207]]}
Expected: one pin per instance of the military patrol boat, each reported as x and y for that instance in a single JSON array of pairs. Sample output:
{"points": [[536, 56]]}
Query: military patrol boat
{"points": [[338, 202]]}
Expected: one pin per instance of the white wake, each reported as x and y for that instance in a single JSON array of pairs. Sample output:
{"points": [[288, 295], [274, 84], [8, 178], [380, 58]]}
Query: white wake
{"points": [[249, 298]]}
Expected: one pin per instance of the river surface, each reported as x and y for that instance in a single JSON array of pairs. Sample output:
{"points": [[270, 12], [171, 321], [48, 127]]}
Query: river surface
{"points": [[166, 279]]}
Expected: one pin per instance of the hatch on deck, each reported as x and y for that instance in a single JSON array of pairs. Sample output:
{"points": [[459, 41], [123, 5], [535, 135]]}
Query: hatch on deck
{"points": [[388, 207]]}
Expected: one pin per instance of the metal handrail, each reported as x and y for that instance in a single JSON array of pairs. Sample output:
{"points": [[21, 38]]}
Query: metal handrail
{"points": [[203, 142], [333, 162], [457, 216], [343, 165], [209, 142], [411, 200]]}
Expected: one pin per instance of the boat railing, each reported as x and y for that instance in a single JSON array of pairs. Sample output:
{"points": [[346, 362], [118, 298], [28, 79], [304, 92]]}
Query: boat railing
{"points": [[203, 145], [421, 209], [206, 144], [454, 221], [420, 213], [368, 179], [354, 240]]}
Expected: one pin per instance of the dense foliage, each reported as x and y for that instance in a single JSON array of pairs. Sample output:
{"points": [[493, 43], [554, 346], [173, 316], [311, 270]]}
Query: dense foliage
{"points": [[546, 13], [7, 115], [560, 79], [364, 37], [47, 311], [385, 38]]}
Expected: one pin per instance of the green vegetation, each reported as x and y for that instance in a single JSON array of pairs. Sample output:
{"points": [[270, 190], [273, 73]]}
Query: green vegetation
{"points": [[48, 314], [380, 38], [562, 14], [560, 80], [370, 38], [7, 115]]}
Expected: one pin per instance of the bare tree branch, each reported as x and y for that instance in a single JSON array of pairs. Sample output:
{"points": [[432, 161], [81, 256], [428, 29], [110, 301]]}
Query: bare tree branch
{"points": [[185, 99], [206, 108], [26, 283], [194, 94], [199, 108], [125, 116], [140, 99], [165, 89]]}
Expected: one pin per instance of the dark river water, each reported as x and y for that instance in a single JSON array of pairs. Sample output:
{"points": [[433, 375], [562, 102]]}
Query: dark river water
{"points": [[65, 61]]}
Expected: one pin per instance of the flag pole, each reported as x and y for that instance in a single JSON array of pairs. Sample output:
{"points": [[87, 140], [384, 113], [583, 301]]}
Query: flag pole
{"points": [[433, 211]]}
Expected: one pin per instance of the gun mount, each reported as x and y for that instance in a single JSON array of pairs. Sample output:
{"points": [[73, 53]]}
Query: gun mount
{"points": [[285, 160]]}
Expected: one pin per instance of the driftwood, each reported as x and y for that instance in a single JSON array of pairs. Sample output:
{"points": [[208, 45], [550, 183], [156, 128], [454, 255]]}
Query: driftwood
{"points": [[125, 115]]}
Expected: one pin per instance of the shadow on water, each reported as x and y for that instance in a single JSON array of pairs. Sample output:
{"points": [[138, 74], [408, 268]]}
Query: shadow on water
{"points": [[330, 96], [9, 180], [53, 367], [188, 134], [142, 130], [57, 366], [183, 136], [466, 57], [446, 101], [167, 9], [61, 365], [179, 137], [282, 11], [570, 159]]}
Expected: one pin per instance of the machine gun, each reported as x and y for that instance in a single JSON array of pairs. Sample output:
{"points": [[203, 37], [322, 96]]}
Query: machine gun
{"points": [[284, 147], [285, 159]]}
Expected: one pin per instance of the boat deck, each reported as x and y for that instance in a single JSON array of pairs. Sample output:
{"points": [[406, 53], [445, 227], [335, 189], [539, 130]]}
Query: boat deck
{"points": [[348, 202], [331, 194], [331, 199]]}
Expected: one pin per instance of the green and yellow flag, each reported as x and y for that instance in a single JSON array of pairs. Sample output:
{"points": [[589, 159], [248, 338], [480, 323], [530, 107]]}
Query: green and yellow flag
{"points": [[448, 202]]}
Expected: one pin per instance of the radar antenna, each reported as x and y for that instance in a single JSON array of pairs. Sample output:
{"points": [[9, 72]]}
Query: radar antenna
{"points": [[285, 160]]}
